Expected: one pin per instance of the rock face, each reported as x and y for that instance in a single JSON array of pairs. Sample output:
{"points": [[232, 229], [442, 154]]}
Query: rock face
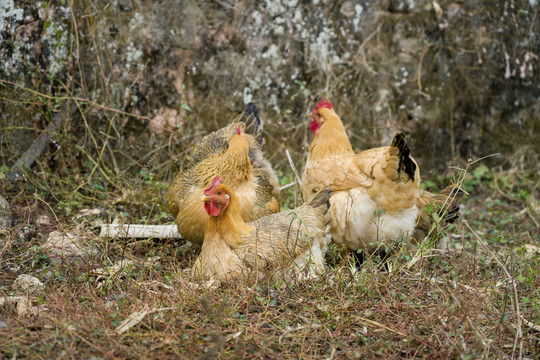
{"points": [[458, 76], [5, 214]]}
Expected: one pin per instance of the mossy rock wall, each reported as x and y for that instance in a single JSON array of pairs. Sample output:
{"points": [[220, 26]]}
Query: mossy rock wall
{"points": [[460, 77]]}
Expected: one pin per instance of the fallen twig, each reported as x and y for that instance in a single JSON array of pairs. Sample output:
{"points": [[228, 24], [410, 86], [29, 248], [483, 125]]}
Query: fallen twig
{"points": [[135, 317], [140, 231], [376, 324], [301, 327]]}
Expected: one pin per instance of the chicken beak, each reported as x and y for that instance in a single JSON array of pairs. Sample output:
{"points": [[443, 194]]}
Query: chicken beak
{"points": [[205, 198]]}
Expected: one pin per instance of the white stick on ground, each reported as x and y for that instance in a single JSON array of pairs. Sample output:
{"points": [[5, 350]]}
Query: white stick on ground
{"points": [[140, 231]]}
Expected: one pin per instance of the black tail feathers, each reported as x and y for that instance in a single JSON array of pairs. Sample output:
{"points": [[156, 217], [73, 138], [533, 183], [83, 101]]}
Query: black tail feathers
{"points": [[253, 123], [406, 164]]}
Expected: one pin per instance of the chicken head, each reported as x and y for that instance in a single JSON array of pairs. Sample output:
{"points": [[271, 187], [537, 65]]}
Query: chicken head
{"points": [[215, 198], [317, 121]]}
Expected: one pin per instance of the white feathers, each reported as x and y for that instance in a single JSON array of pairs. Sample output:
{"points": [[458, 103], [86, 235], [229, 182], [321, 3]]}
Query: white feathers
{"points": [[356, 220]]}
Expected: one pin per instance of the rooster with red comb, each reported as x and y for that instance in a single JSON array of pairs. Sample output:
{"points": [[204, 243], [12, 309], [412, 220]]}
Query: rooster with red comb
{"points": [[377, 199]]}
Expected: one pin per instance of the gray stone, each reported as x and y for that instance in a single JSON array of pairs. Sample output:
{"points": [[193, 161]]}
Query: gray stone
{"points": [[60, 246], [27, 284]]}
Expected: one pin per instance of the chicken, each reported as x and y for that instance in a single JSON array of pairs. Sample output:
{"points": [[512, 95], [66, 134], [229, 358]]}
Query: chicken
{"points": [[237, 157], [278, 243], [377, 199]]}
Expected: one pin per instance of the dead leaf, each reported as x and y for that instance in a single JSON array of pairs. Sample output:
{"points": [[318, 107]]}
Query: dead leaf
{"points": [[530, 248], [43, 220], [136, 317], [131, 320], [23, 305], [87, 212], [165, 120], [531, 324], [4, 300]]}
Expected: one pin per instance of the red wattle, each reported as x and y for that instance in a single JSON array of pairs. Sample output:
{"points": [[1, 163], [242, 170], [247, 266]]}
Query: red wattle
{"points": [[314, 127], [211, 208], [214, 209]]}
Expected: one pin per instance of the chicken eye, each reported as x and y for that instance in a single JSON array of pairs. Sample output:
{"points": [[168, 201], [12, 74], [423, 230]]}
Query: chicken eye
{"points": [[219, 193]]}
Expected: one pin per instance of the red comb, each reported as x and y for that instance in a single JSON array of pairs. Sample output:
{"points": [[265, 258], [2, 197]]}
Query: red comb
{"points": [[238, 129], [323, 104], [215, 182]]}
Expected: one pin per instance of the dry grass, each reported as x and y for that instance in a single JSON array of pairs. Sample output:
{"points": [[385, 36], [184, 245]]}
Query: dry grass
{"points": [[135, 299], [405, 315]]}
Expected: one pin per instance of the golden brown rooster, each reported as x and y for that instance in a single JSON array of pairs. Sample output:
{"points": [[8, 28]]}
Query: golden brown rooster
{"points": [[275, 243], [237, 157], [377, 198]]}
